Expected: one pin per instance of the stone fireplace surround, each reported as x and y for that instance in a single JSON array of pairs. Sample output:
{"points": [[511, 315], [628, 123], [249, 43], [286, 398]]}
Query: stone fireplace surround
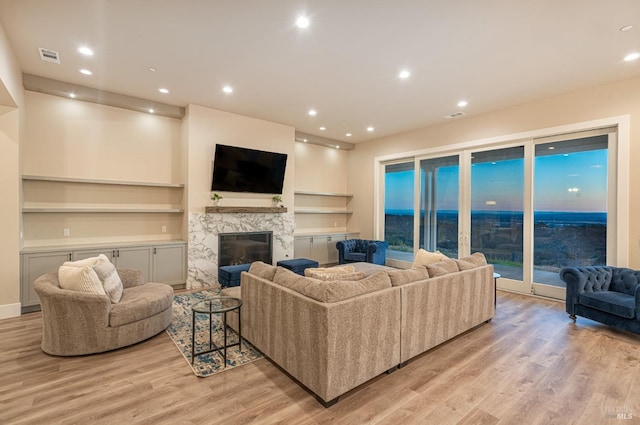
{"points": [[204, 229]]}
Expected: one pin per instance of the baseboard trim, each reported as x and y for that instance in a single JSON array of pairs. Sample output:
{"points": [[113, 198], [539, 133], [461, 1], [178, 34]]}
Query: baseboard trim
{"points": [[9, 310]]}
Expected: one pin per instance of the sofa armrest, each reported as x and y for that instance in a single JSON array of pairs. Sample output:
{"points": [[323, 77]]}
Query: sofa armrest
{"points": [[66, 309], [131, 277], [584, 279], [377, 252]]}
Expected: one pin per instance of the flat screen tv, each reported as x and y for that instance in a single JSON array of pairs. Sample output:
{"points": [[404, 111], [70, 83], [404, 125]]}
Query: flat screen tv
{"points": [[238, 169]]}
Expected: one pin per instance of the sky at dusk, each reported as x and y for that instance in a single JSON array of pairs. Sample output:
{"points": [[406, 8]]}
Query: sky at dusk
{"points": [[574, 182]]}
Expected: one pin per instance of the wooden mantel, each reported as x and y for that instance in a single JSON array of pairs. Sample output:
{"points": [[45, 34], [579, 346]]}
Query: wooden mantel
{"points": [[244, 210]]}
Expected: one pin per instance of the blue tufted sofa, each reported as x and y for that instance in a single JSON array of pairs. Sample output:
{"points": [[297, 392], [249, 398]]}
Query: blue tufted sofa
{"points": [[362, 250], [610, 295]]}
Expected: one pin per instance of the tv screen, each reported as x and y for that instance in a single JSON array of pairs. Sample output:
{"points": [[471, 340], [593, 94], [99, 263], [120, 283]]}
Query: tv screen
{"points": [[247, 170]]}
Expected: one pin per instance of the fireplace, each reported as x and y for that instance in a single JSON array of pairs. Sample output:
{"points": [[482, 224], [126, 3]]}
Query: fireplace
{"points": [[244, 248]]}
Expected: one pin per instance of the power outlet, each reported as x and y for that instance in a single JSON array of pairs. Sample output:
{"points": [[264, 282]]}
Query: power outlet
{"points": [[66, 232], [164, 229]]}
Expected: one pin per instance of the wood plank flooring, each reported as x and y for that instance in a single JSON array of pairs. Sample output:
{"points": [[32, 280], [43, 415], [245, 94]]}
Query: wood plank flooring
{"points": [[530, 365]]}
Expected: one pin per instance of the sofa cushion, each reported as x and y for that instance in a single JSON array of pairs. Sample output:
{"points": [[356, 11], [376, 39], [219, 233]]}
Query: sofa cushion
{"points": [[443, 267], [330, 270], [355, 256], [141, 302], [82, 279], [110, 280], [612, 302], [424, 257], [331, 291], [263, 270]]}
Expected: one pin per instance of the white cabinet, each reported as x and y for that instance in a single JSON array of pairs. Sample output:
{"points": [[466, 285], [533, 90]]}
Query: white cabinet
{"points": [[320, 247], [159, 262], [169, 264]]}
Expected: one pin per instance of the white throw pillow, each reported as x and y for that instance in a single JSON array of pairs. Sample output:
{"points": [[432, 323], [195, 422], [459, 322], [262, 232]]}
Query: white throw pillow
{"points": [[424, 257], [110, 280], [86, 262], [82, 279]]}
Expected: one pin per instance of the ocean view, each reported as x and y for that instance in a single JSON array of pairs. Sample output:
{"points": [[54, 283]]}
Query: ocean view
{"points": [[560, 238]]}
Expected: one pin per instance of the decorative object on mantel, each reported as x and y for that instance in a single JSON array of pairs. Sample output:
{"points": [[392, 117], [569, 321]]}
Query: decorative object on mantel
{"points": [[216, 197], [245, 210], [180, 333], [277, 201]]}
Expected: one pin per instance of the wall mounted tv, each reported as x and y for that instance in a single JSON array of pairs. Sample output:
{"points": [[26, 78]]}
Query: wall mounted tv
{"points": [[238, 169]]}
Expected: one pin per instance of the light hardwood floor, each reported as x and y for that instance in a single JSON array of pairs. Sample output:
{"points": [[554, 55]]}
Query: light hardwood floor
{"points": [[530, 365]]}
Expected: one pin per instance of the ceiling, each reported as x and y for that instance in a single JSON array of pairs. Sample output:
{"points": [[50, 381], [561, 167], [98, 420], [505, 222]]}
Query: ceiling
{"points": [[345, 65]]}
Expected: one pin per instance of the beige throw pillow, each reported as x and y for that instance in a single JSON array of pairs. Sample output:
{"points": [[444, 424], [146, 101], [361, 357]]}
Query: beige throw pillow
{"points": [[402, 277], [443, 267], [330, 291], [424, 257], [471, 262], [82, 279], [263, 270]]}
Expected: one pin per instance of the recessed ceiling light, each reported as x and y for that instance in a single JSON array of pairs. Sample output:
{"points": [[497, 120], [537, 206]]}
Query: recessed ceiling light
{"points": [[302, 22], [323, 128], [86, 72], [152, 69], [626, 28], [85, 51], [304, 140], [337, 146], [313, 112], [151, 110], [404, 74], [463, 103], [631, 57], [163, 90], [348, 134], [72, 95], [370, 129], [227, 89]]}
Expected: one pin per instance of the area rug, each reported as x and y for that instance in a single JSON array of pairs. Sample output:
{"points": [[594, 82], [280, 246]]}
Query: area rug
{"points": [[180, 332]]}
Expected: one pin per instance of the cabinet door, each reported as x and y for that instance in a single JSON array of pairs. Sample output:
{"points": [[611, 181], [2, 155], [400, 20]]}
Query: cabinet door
{"points": [[35, 265], [88, 253], [302, 247], [137, 258], [169, 264], [319, 249]]}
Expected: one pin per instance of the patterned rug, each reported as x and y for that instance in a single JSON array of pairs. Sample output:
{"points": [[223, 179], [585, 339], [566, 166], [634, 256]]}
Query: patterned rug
{"points": [[180, 332]]}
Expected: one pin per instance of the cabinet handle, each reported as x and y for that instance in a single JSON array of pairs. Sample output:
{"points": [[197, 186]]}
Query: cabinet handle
{"points": [[155, 251], [70, 256]]}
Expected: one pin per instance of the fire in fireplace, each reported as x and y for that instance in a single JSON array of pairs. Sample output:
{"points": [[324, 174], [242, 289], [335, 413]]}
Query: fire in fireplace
{"points": [[245, 247]]}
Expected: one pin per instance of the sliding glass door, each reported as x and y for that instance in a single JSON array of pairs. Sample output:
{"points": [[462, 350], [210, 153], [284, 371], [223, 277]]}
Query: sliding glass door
{"points": [[497, 209], [399, 210], [570, 207], [439, 197]]}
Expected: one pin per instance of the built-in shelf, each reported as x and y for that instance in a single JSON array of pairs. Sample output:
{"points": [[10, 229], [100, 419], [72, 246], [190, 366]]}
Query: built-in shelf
{"points": [[230, 210], [99, 181], [103, 210], [321, 211], [312, 193]]}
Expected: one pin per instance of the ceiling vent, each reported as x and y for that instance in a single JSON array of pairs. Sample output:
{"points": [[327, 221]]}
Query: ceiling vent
{"points": [[48, 55], [454, 115]]}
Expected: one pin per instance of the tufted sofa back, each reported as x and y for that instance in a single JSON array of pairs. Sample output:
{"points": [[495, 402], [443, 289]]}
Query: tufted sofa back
{"points": [[624, 280]]}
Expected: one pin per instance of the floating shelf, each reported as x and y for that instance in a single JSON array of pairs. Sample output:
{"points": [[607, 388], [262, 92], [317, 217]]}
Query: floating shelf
{"points": [[103, 210], [230, 210], [336, 194], [99, 181], [319, 211]]}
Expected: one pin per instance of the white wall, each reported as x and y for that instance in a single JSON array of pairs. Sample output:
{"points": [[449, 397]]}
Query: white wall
{"points": [[206, 127], [11, 103], [596, 103]]}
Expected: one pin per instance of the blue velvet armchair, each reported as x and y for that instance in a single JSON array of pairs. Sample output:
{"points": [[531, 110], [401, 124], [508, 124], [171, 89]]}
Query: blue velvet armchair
{"points": [[362, 250], [609, 295]]}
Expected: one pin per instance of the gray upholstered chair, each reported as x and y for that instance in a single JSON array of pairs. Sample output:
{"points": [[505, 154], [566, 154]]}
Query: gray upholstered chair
{"points": [[76, 323]]}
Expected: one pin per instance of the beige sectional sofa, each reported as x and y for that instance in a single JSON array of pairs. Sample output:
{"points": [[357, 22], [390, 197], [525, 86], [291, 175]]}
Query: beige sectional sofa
{"points": [[334, 335]]}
